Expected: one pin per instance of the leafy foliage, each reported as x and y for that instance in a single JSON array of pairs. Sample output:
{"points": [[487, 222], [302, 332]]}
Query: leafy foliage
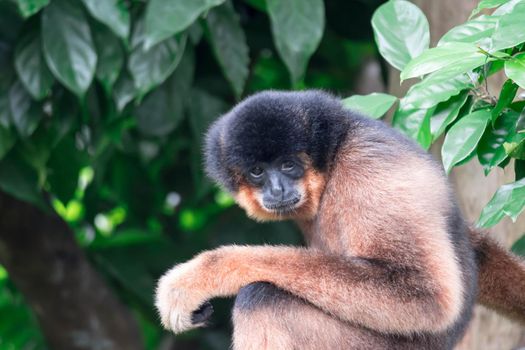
{"points": [[103, 106], [451, 72]]}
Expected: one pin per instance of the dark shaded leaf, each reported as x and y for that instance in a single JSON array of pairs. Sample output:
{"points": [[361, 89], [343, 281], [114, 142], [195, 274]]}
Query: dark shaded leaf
{"points": [[24, 113], [20, 180], [229, 45], [68, 47], [150, 68], [112, 13], [7, 140], [31, 66], [30, 7], [297, 28], [490, 149], [63, 168], [507, 94], [519, 246], [519, 169], [401, 32], [125, 90], [110, 56], [164, 18]]}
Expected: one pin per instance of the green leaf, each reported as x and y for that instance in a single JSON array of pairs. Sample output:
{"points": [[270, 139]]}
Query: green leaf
{"points": [[124, 91], [20, 180], [508, 200], [464, 56], [445, 113], [68, 47], [113, 13], [463, 137], [7, 140], [519, 246], [374, 105], [438, 87], [30, 7], [110, 56], [414, 122], [506, 8], [229, 45], [515, 147], [476, 31], [487, 4], [401, 32], [297, 28], [510, 30], [25, 114], [519, 169], [162, 111], [31, 67], [164, 18], [490, 149], [151, 67], [64, 167], [508, 91], [515, 69]]}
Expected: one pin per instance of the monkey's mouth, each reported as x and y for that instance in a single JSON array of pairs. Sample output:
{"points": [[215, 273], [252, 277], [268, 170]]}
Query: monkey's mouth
{"points": [[283, 207]]}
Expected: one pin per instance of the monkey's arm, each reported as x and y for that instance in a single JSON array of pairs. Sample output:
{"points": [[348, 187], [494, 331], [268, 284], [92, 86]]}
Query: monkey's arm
{"points": [[501, 277], [387, 298]]}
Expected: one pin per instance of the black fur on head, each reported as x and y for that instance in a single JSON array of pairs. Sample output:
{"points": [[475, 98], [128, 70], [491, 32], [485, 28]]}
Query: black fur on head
{"points": [[271, 124]]}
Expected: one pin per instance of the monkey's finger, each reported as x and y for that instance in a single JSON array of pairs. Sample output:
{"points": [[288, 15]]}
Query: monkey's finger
{"points": [[202, 314]]}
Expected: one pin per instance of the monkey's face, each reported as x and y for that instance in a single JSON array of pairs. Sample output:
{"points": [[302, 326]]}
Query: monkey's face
{"points": [[285, 188]]}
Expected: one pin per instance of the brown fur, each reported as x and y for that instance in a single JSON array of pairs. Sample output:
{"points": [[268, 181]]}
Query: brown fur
{"points": [[502, 277]]}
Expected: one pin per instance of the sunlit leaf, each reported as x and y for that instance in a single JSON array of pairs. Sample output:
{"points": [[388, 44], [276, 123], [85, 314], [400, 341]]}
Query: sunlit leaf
{"points": [[476, 31], [164, 18], [438, 87], [445, 113], [463, 137], [515, 69], [487, 4], [464, 56], [297, 28], [414, 122], [374, 105], [401, 32], [510, 30], [68, 47], [229, 45], [508, 200], [112, 13]]}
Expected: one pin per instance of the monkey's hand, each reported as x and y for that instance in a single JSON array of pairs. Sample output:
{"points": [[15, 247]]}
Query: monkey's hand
{"points": [[182, 297]]}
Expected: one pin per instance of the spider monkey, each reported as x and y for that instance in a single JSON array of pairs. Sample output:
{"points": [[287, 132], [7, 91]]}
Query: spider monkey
{"points": [[390, 262]]}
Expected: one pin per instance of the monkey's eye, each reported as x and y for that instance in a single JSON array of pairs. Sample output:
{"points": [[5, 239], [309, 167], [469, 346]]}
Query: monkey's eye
{"points": [[287, 165], [256, 172]]}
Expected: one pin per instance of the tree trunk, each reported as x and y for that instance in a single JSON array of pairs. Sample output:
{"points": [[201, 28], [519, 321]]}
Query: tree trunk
{"points": [[75, 308], [487, 330]]}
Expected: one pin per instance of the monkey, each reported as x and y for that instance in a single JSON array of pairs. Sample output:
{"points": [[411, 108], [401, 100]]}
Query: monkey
{"points": [[389, 261]]}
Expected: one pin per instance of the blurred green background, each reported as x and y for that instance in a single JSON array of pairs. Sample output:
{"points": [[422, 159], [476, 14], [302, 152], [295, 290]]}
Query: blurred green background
{"points": [[103, 106]]}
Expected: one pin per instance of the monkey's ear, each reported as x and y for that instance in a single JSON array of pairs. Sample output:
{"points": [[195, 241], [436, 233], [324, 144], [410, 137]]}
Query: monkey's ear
{"points": [[215, 158]]}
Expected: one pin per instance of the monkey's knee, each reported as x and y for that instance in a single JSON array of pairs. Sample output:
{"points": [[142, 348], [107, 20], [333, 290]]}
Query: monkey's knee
{"points": [[257, 320]]}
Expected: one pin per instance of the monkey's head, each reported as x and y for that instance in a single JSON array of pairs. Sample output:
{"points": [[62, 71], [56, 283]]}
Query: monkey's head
{"points": [[272, 151]]}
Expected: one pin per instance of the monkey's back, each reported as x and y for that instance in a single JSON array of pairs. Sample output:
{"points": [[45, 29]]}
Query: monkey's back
{"points": [[395, 207]]}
